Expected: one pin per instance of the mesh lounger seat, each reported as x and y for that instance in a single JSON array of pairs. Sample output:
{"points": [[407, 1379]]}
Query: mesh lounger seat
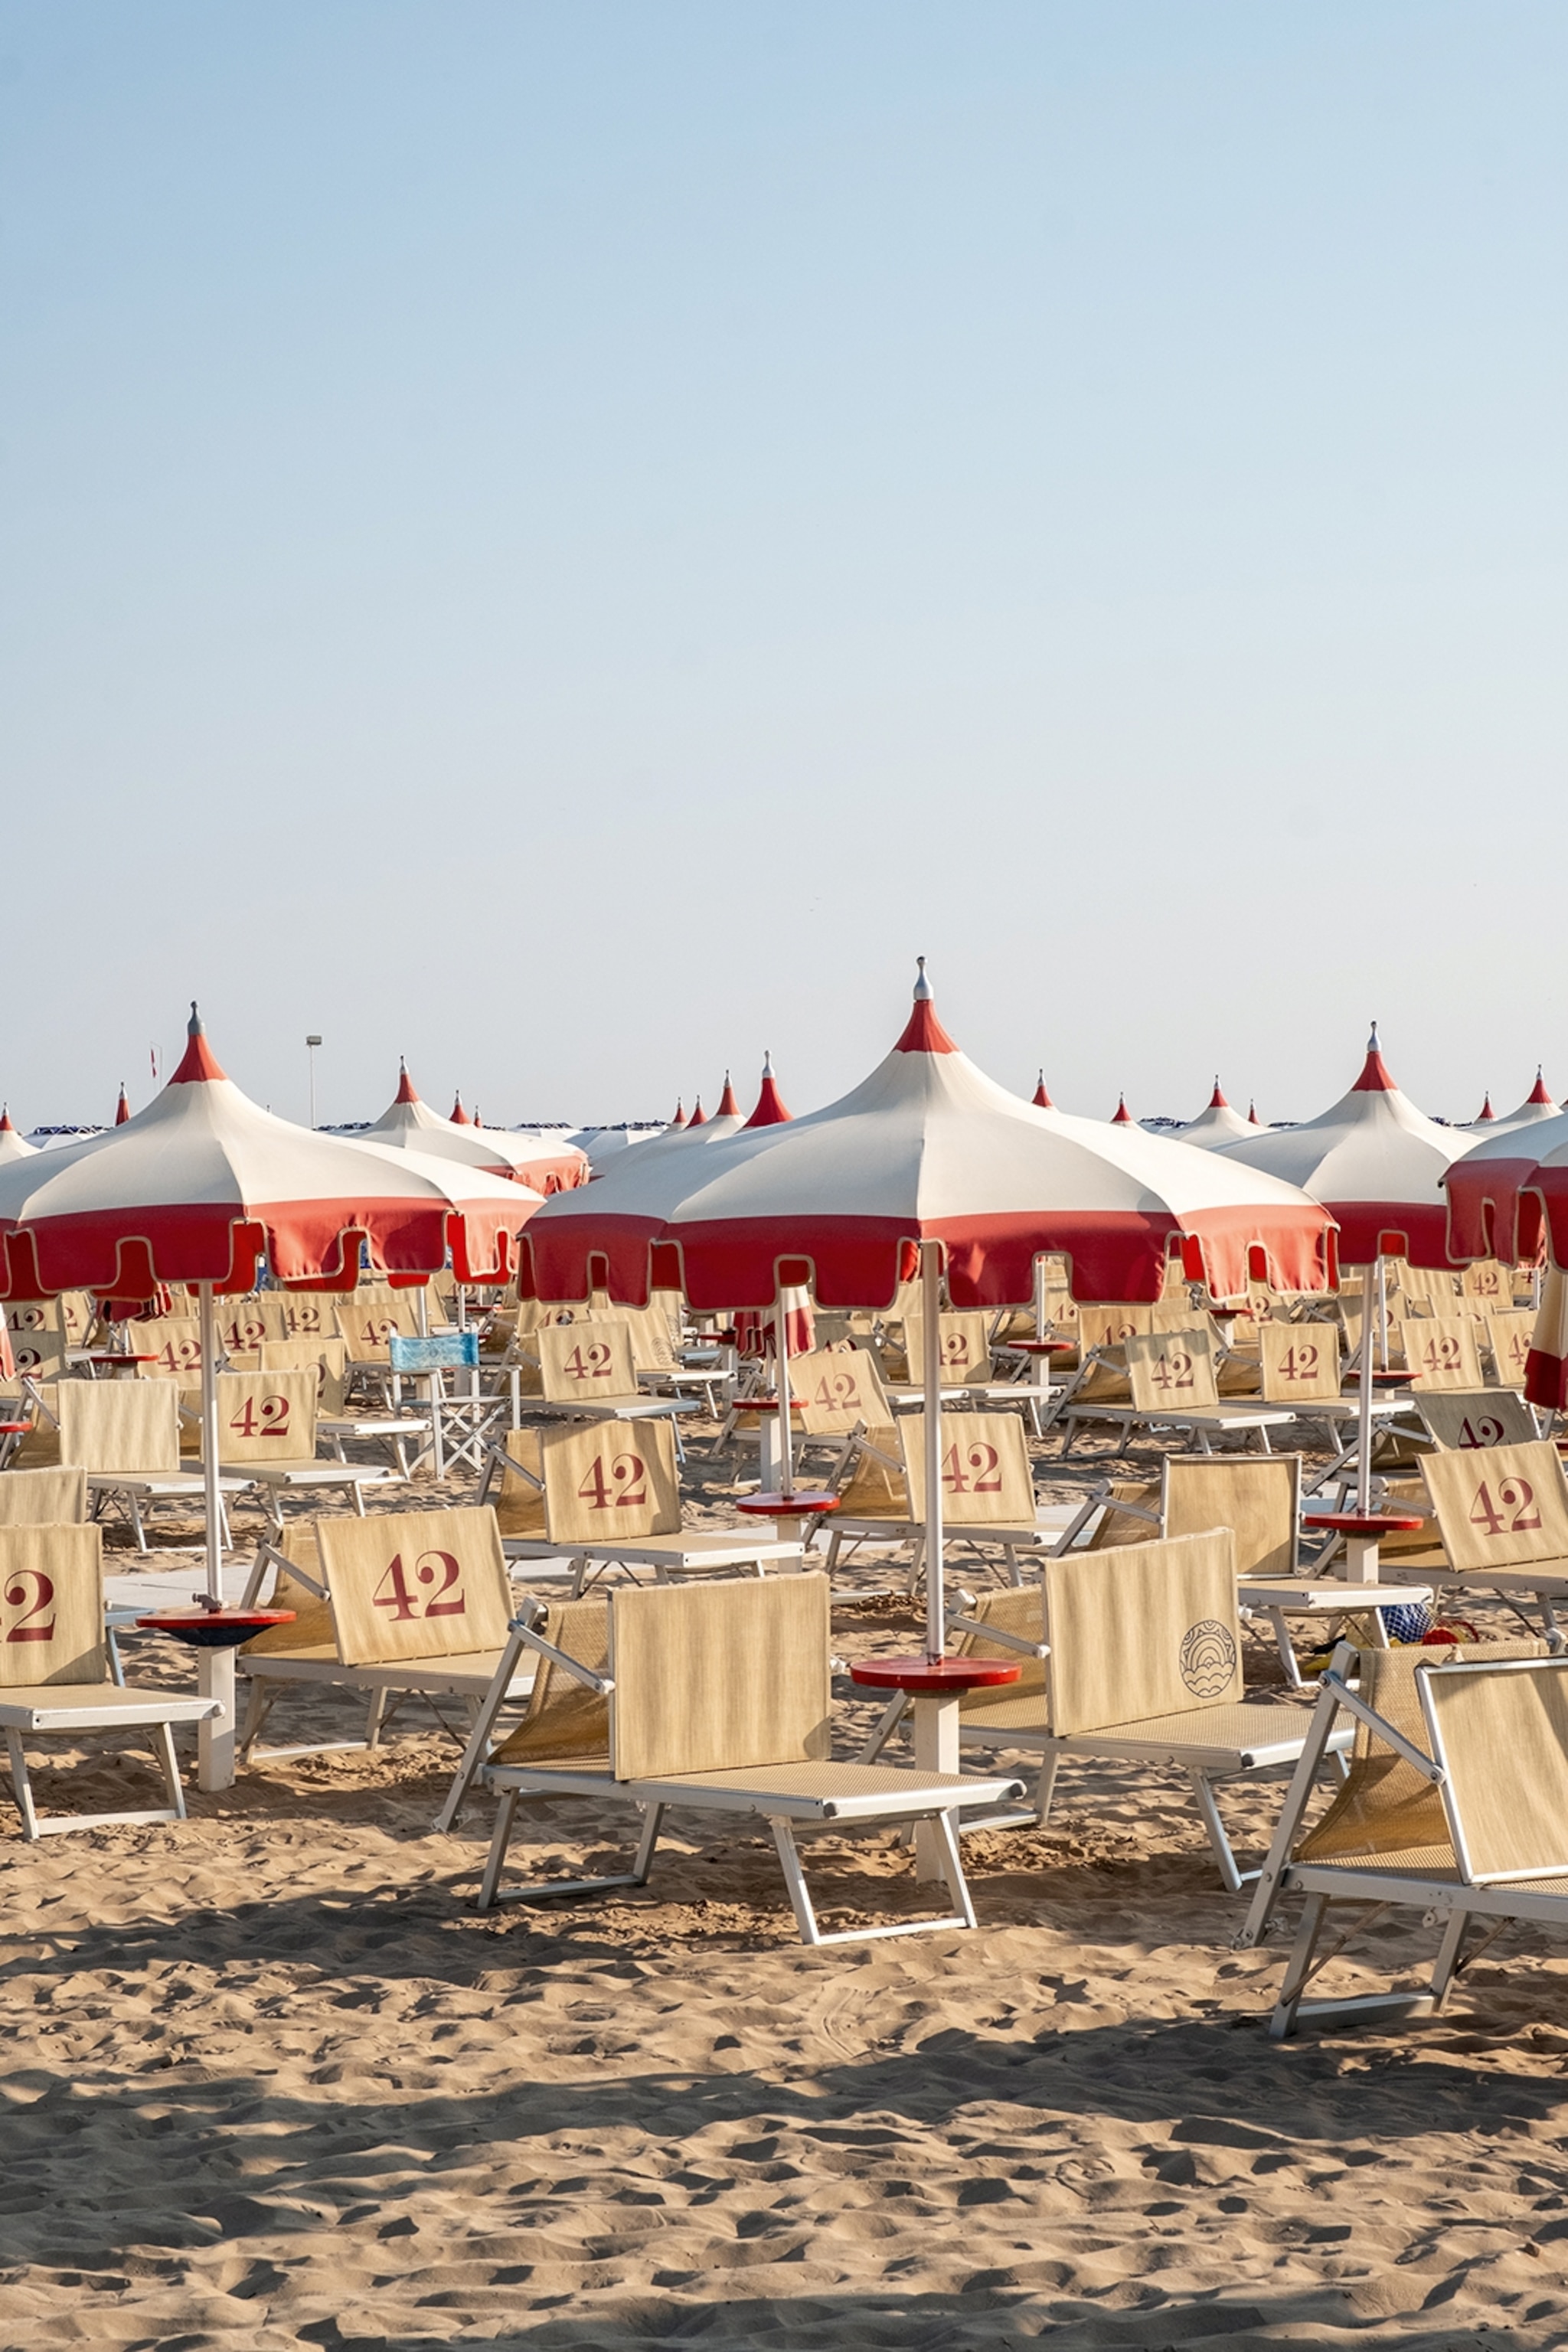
{"points": [[1456, 1806], [714, 1699], [54, 1669], [412, 1604]]}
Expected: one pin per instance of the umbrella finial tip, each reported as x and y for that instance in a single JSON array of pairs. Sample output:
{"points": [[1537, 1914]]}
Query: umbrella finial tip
{"points": [[194, 1028], [1371, 1042], [923, 986]]}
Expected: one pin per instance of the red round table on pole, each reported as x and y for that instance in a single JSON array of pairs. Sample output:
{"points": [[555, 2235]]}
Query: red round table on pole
{"points": [[214, 1633], [936, 1689], [1363, 1531], [794, 1513]]}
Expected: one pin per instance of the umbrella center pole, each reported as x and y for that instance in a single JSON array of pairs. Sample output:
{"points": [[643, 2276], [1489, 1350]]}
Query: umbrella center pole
{"points": [[1370, 1283], [781, 1353], [1039, 1298], [931, 1306], [214, 1668]]}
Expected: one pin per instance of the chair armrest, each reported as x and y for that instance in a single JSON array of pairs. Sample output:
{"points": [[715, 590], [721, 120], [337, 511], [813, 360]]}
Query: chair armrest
{"points": [[602, 1684], [1018, 1642]]}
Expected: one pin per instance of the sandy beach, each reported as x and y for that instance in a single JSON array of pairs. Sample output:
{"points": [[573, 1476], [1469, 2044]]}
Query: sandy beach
{"points": [[272, 2082]]}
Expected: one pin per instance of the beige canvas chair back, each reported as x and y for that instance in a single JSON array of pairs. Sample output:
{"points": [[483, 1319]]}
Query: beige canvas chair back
{"points": [[267, 1416], [38, 1354], [312, 1624], [1152, 1630], [986, 1479], [586, 1363], [1386, 1806], [876, 1487], [1491, 1285], [415, 1584], [1440, 1351], [565, 1721], [174, 1344], [1472, 1420], [1508, 1335], [839, 1388], [51, 1606], [241, 1328], [1105, 1326], [24, 1315], [1505, 1506], [43, 1499], [520, 1505], [652, 1339], [1020, 1613], [963, 1343], [714, 1677], [611, 1481], [1060, 1305], [1427, 1289], [77, 1317], [1258, 1496], [367, 1324], [1174, 1283], [328, 1359], [1172, 1371], [1500, 1733], [1300, 1363], [311, 1314], [1115, 1525], [128, 1425]]}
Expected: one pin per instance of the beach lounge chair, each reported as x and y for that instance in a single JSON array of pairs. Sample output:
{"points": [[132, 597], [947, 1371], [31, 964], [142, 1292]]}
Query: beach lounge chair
{"points": [[586, 1373], [1144, 1666], [327, 1357], [1509, 1337], [267, 1435], [54, 1669], [1172, 1387], [43, 1499], [608, 1500], [1440, 1352], [988, 1492], [408, 1603], [1502, 1514], [126, 1435], [1456, 1806], [713, 1698]]}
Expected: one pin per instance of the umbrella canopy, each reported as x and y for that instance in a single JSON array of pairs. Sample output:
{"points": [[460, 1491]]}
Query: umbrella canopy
{"points": [[198, 1186], [770, 1109], [408, 1124], [11, 1144], [1216, 1125], [1374, 1161], [1486, 1116], [1491, 1212], [927, 1148], [459, 1116]]}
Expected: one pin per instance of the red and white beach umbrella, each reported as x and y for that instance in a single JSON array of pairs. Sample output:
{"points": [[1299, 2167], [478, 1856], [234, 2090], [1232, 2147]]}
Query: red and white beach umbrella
{"points": [[1491, 1213], [1216, 1123], [11, 1144], [408, 1124]]}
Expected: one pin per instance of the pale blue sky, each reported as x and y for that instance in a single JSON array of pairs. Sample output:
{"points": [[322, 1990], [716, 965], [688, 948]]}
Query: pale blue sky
{"points": [[572, 541]]}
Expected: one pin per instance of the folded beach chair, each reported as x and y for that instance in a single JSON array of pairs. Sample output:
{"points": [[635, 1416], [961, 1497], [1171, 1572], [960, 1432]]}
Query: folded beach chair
{"points": [[1143, 1666], [54, 1668], [267, 1435], [1502, 1514], [1456, 1806], [1508, 1335], [607, 1499], [408, 1603], [586, 1373], [126, 1435], [712, 1698]]}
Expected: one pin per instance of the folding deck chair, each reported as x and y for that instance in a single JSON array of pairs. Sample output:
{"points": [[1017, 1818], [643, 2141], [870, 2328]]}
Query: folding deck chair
{"points": [[1502, 1515], [54, 1668], [411, 1604], [1456, 1806], [714, 1699], [266, 1435], [607, 1499], [126, 1435], [588, 1374]]}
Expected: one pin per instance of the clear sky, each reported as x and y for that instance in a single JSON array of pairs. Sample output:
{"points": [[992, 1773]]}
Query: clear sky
{"points": [[573, 540]]}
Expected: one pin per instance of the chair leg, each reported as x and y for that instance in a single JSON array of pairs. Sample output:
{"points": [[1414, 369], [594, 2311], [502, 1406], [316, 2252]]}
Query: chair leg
{"points": [[163, 1749], [795, 1880], [1045, 1786], [137, 1529], [643, 1865], [257, 1707], [23, 1785], [1231, 1878], [1297, 1968], [946, 1825], [373, 1715], [485, 1900], [1445, 1967]]}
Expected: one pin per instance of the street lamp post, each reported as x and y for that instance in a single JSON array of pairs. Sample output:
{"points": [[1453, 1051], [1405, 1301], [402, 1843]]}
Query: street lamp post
{"points": [[313, 1043]]}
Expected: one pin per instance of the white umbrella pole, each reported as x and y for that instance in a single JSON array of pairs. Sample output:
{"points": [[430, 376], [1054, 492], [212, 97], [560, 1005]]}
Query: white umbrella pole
{"points": [[1039, 1298], [781, 1351], [214, 1668], [931, 1308], [1368, 1332]]}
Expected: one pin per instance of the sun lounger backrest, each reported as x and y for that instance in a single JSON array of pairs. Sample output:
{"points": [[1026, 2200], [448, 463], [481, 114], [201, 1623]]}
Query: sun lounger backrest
{"points": [[1440, 1351], [367, 1324], [1506, 1507], [32, 1315], [51, 1606], [311, 1314], [1500, 1733], [609, 1481], [267, 1416], [415, 1584], [43, 1499], [1489, 1284], [963, 1343], [1019, 1611], [241, 1325], [40, 1354], [1427, 1288], [1100, 1325], [174, 1344], [1386, 1806], [1300, 1363], [328, 1359], [839, 1388], [128, 1425], [1150, 1630], [1172, 1371], [714, 1677], [1469, 1421], [586, 1363], [520, 1505], [985, 1476], [565, 1719], [653, 1345], [1256, 1496], [876, 1487], [1509, 1336]]}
